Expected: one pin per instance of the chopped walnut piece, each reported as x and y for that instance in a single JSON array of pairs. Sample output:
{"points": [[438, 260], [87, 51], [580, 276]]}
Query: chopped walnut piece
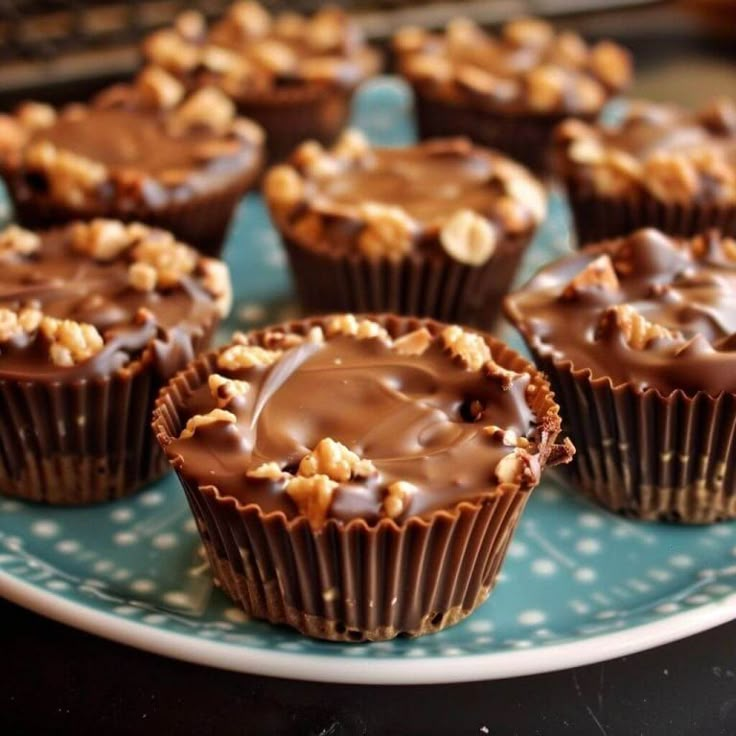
{"points": [[36, 115], [289, 26], [172, 261], [413, 343], [16, 240], [352, 145], [268, 471], [397, 498], [274, 56], [142, 277], [506, 436], [569, 49], [325, 31], [203, 420], [280, 339], [102, 239], [636, 329], [208, 107], [410, 39], [347, 324], [216, 279], [529, 32], [333, 460], [312, 497], [429, 68], [168, 49], [476, 79], [671, 177], [469, 346], [468, 238], [12, 323], [225, 390], [513, 468], [283, 187], [388, 232], [598, 273], [545, 88], [70, 342], [191, 25], [611, 64], [528, 193], [586, 151], [158, 88], [246, 356]]}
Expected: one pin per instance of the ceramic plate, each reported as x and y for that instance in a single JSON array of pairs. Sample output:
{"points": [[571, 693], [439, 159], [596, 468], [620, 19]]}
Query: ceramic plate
{"points": [[579, 584]]}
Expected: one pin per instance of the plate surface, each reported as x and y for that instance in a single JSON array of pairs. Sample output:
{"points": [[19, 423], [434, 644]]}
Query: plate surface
{"points": [[579, 585]]}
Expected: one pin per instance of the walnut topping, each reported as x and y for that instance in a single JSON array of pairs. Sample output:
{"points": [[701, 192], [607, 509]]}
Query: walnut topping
{"points": [[409, 39], [397, 498], [507, 436], [203, 420], [671, 177], [36, 116], [207, 107], [636, 329], [283, 187], [333, 460], [70, 342], [352, 145], [102, 239], [268, 471], [246, 356], [611, 64], [347, 324], [413, 343], [389, 231], [468, 238], [428, 67], [18, 241], [158, 88], [251, 19], [172, 261], [312, 497], [71, 177], [274, 56], [527, 192], [191, 25], [598, 273], [586, 150], [168, 49], [216, 279], [476, 79], [529, 32], [469, 346], [280, 339], [224, 390], [545, 88], [142, 277], [14, 323], [513, 468]]}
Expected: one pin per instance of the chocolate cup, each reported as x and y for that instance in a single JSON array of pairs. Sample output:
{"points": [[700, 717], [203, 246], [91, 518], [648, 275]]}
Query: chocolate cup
{"points": [[355, 582], [640, 453], [85, 441], [291, 115], [421, 284], [599, 218], [201, 220], [525, 137]]}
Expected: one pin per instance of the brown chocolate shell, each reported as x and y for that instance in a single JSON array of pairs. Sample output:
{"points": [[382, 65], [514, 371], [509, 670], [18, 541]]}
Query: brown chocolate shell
{"points": [[599, 218], [86, 441], [355, 582]]}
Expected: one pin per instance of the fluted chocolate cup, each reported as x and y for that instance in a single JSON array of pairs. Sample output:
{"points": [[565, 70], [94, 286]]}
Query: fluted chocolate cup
{"points": [[357, 581]]}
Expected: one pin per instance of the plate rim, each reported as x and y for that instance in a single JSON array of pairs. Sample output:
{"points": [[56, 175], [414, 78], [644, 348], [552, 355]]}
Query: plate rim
{"points": [[360, 671]]}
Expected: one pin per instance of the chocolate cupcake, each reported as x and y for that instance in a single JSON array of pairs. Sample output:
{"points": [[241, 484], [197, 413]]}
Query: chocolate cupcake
{"points": [[508, 91], [368, 475], [659, 166], [143, 152], [436, 229], [293, 75], [637, 336], [94, 318]]}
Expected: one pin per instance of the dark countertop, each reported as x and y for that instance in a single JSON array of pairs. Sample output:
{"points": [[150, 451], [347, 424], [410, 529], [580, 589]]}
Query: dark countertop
{"points": [[58, 680]]}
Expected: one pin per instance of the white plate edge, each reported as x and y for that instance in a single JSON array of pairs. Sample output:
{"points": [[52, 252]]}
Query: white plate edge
{"points": [[391, 671]]}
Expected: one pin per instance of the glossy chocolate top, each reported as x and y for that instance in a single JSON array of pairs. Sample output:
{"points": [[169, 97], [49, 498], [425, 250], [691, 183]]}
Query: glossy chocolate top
{"points": [[89, 299], [249, 51], [353, 424], [136, 146], [385, 202], [528, 68], [675, 155], [648, 310]]}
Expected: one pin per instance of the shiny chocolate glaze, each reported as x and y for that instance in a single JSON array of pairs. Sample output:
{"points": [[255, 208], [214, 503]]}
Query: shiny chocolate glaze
{"points": [[66, 284], [419, 419], [688, 287]]}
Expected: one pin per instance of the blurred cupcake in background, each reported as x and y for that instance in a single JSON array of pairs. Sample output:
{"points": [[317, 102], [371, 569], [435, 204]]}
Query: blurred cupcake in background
{"points": [[508, 91], [660, 166], [147, 151], [292, 74], [436, 229]]}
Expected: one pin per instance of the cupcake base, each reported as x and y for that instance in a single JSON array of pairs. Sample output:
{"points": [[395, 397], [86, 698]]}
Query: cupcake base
{"points": [[418, 285], [525, 138], [599, 218], [648, 456]]}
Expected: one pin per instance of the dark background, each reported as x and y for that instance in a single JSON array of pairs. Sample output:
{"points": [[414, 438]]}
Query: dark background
{"points": [[57, 680]]}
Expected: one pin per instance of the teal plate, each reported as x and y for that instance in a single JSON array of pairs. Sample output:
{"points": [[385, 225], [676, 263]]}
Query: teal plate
{"points": [[579, 585]]}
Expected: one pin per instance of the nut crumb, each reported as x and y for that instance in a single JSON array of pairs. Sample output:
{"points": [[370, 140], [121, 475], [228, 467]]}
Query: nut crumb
{"points": [[413, 343], [388, 231], [598, 273], [333, 460], [225, 390], [16, 240], [312, 496], [636, 329], [71, 342], [203, 420], [216, 280], [246, 356], [397, 498], [468, 238], [348, 324], [268, 471], [468, 346]]}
